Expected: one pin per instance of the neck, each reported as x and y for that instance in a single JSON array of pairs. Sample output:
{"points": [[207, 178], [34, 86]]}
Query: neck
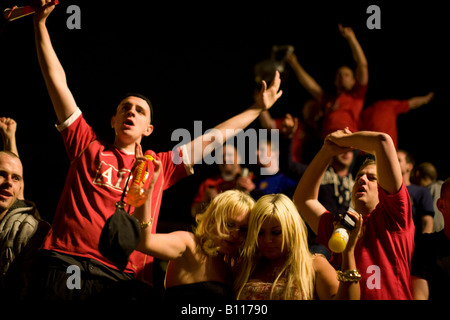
{"points": [[2, 214], [340, 169], [406, 179], [127, 148]]}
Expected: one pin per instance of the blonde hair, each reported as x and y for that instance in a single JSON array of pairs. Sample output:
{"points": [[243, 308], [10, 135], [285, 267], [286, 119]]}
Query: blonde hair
{"points": [[212, 224], [298, 269]]}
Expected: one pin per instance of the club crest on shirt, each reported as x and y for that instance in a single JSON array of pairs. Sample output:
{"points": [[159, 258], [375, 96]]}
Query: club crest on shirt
{"points": [[109, 176]]}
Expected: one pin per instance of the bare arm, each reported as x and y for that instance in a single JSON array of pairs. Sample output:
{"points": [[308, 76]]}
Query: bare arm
{"points": [[327, 285], [266, 120], [419, 288], [165, 246], [227, 129], [52, 70], [307, 192], [305, 79], [8, 129], [389, 174], [362, 70]]}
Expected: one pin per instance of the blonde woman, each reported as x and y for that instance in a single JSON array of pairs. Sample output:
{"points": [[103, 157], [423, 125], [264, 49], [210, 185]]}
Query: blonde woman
{"points": [[200, 263], [277, 264]]}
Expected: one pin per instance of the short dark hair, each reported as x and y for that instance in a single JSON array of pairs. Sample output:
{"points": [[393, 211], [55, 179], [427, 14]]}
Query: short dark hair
{"points": [[143, 97], [409, 158]]}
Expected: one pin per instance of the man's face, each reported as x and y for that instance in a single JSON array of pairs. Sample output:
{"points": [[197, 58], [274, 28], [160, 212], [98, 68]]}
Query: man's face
{"points": [[132, 120], [365, 190], [345, 79], [345, 159], [230, 159], [237, 227], [11, 172], [404, 165]]}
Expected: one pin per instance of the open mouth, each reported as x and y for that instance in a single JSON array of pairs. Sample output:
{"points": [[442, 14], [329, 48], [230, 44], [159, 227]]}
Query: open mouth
{"points": [[128, 123], [360, 191], [5, 194]]}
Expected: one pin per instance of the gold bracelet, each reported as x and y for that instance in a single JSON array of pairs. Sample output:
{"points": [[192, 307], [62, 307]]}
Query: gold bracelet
{"points": [[348, 275], [146, 224]]}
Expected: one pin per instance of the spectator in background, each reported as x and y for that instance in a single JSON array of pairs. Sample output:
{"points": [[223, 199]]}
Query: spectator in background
{"points": [[382, 115], [304, 133], [421, 200], [271, 179], [344, 107], [425, 175], [431, 260], [230, 177]]}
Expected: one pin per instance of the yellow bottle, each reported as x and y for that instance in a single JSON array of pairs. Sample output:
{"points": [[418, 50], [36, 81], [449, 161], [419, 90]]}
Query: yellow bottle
{"points": [[137, 194], [339, 238]]}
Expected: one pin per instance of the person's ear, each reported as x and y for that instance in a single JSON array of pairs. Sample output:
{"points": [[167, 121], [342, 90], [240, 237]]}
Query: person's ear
{"points": [[149, 130]]}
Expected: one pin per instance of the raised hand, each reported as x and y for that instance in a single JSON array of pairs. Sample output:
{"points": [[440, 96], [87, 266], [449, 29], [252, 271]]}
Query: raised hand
{"points": [[268, 96]]}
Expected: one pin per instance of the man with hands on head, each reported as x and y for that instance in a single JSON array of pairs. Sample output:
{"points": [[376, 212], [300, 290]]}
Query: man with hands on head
{"points": [[383, 254], [97, 176]]}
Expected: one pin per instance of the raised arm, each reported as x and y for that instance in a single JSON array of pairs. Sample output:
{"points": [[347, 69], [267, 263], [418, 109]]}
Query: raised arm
{"points": [[8, 129], [305, 79], [227, 129], [362, 70], [307, 192], [52, 70], [389, 174]]}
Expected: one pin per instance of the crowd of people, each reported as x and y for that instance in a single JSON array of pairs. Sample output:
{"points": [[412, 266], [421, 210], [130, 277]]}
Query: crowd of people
{"points": [[256, 237]]}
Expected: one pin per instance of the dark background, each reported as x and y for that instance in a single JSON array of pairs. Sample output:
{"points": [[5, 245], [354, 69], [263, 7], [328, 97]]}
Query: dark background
{"points": [[195, 62]]}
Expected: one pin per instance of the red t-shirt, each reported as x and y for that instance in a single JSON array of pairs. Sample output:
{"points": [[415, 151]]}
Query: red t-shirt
{"points": [[217, 182], [94, 183], [344, 110], [383, 255], [382, 117]]}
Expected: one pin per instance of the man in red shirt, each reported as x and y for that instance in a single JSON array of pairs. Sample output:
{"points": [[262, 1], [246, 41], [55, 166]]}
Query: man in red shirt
{"points": [[383, 254], [97, 177], [342, 109], [382, 115]]}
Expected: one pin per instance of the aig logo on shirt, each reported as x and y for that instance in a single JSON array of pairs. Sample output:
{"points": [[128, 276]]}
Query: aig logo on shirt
{"points": [[109, 176]]}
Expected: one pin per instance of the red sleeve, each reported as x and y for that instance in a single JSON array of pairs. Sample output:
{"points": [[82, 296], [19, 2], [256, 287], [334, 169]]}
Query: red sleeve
{"points": [[402, 106], [397, 207], [77, 134], [173, 170], [360, 90]]}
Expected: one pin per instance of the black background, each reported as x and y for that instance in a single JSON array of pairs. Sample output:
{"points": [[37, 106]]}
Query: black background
{"points": [[195, 62]]}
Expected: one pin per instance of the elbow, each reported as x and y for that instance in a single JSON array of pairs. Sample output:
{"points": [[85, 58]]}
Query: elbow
{"points": [[384, 139]]}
